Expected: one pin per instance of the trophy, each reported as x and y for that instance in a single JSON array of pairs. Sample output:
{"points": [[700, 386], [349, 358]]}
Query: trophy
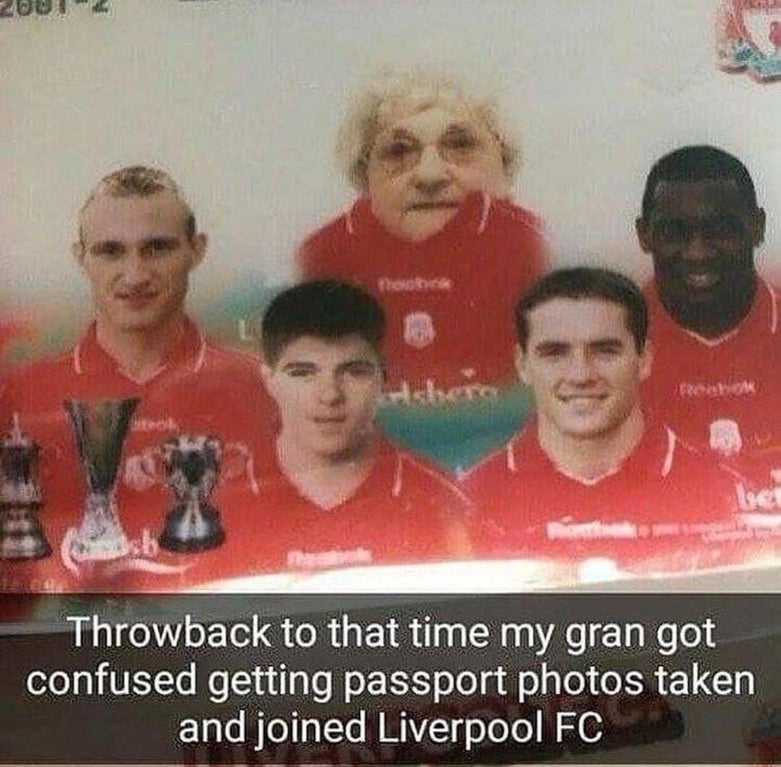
{"points": [[100, 427], [21, 533], [192, 467]]}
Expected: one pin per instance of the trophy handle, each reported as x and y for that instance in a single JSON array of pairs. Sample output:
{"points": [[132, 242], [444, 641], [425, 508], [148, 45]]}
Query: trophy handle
{"points": [[238, 461]]}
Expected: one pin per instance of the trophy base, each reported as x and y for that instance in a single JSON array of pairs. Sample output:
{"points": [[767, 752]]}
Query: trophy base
{"points": [[89, 545], [22, 536], [98, 549], [190, 528]]}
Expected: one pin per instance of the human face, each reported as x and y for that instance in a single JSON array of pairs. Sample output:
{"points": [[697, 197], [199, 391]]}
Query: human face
{"points": [[326, 391], [583, 366], [424, 163], [137, 255], [701, 236]]}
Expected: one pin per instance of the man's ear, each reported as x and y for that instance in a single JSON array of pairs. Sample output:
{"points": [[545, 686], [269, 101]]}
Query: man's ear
{"points": [[77, 250], [646, 360], [266, 375], [520, 363], [758, 227], [643, 234], [198, 243]]}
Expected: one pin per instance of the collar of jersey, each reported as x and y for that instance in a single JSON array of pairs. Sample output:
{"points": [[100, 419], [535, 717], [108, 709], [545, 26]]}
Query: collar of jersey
{"points": [[90, 358], [657, 444], [472, 217], [385, 476]]}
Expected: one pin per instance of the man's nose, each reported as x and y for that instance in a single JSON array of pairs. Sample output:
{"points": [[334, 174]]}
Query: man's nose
{"points": [[330, 389], [580, 369], [697, 248], [136, 268], [431, 172]]}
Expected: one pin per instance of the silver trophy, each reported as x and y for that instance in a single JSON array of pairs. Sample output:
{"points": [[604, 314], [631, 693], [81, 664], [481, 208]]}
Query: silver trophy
{"points": [[100, 427], [192, 468], [21, 533]]}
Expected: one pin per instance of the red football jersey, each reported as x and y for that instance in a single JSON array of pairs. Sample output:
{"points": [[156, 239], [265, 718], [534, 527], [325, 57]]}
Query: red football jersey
{"points": [[722, 394], [645, 515], [449, 300], [202, 389], [404, 511]]}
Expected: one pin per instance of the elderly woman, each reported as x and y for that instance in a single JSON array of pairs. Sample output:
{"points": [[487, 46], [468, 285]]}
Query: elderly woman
{"points": [[433, 236]]}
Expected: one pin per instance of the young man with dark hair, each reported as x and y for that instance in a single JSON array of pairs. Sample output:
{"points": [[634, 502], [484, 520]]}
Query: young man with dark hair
{"points": [[593, 476], [714, 320], [344, 495], [137, 243], [334, 493]]}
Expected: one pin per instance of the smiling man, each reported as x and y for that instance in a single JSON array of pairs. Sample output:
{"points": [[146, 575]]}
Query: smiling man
{"points": [[433, 234], [137, 244], [714, 321], [593, 477]]}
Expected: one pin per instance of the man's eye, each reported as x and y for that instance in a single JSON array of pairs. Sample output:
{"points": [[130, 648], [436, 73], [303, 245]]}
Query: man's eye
{"points": [[161, 246], [672, 231], [552, 351], [108, 250], [722, 227], [607, 350], [360, 369], [299, 372]]}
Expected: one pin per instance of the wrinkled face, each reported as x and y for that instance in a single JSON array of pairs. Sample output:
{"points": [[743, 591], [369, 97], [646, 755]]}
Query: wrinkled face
{"points": [[582, 365], [137, 255], [327, 392], [701, 236], [423, 164]]}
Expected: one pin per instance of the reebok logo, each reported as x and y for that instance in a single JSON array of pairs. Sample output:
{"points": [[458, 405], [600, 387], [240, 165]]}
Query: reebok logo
{"points": [[155, 424], [716, 389], [414, 284], [590, 530], [311, 560]]}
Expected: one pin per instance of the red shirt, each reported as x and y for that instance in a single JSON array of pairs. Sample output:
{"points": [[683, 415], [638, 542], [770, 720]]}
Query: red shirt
{"points": [[404, 511], [448, 300], [641, 515], [723, 394], [202, 389]]}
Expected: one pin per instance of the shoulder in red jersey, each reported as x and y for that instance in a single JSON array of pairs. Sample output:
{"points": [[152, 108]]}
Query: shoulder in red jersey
{"points": [[720, 394], [209, 390], [664, 499]]}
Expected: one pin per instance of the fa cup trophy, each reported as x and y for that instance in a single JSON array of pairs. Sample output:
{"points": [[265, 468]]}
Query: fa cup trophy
{"points": [[100, 427], [192, 467], [21, 534]]}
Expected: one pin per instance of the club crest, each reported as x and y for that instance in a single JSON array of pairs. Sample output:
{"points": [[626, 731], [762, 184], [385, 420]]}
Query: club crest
{"points": [[725, 437], [419, 329], [749, 38]]}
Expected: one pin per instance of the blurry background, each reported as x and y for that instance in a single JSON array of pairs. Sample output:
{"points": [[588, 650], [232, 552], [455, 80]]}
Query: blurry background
{"points": [[240, 101]]}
